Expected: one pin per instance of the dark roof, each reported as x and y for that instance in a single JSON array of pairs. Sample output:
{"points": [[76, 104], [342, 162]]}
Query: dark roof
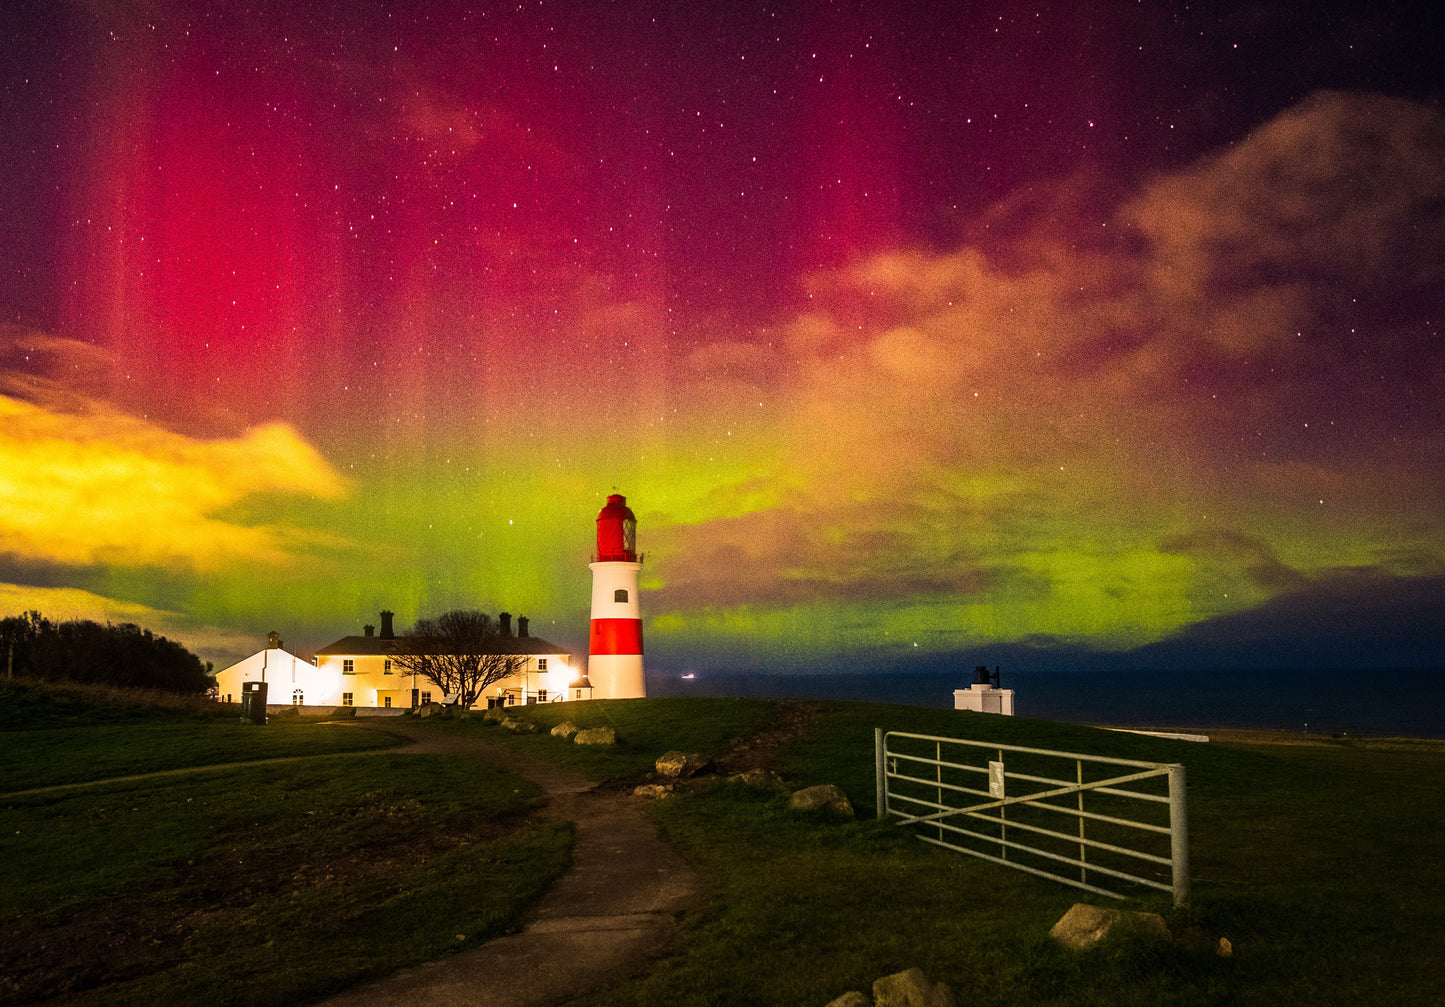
{"points": [[380, 646], [361, 646]]}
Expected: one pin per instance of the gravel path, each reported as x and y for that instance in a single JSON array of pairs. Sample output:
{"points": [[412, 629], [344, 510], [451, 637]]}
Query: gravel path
{"points": [[606, 919]]}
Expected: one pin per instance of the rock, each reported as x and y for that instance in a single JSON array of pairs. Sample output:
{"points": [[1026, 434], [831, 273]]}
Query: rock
{"points": [[683, 765], [763, 779], [653, 791], [824, 797], [851, 999], [519, 726], [1225, 949], [424, 710], [564, 730], [596, 736], [495, 713], [1084, 925], [911, 989]]}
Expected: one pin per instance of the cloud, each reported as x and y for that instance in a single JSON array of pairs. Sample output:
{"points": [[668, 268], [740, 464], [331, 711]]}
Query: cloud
{"points": [[1236, 551], [1346, 619], [780, 557], [1341, 189], [1151, 423], [82, 483]]}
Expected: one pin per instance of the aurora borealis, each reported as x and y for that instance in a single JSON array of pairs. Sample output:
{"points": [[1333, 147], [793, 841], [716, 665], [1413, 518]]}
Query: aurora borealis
{"points": [[1078, 328]]}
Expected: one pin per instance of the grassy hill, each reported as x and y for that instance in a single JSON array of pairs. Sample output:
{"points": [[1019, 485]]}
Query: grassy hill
{"points": [[1317, 858], [275, 882]]}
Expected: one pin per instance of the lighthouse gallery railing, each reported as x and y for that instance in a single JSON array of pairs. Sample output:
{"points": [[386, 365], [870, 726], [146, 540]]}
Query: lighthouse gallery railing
{"points": [[1007, 804]]}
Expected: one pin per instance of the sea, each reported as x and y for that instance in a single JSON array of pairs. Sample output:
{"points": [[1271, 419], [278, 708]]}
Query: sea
{"points": [[1374, 703]]}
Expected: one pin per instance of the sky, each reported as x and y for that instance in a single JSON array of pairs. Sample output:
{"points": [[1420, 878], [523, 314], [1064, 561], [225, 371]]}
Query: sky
{"points": [[1078, 332]]}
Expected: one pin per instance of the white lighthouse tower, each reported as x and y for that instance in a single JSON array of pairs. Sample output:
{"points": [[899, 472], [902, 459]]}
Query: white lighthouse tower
{"points": [[614, 663]]}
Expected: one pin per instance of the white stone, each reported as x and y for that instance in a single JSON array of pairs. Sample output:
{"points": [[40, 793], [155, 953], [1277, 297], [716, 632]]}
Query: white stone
{"points": [[911, 988]]}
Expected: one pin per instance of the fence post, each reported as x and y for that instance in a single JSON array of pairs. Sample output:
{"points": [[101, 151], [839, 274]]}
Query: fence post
{"points": [[880, 788], [1179, 834]]}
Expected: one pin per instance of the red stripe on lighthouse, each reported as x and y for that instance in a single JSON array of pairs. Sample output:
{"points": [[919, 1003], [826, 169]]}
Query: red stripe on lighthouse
{"points": [[616, 636]]}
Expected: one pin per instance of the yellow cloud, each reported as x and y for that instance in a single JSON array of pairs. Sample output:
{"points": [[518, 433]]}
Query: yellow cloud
{"points": [[98, 486]]}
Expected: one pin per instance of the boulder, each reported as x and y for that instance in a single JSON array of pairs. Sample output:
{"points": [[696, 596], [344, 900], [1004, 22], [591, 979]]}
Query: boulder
{"points": [[519, 726], [496, 713], [653, 791], [824, 797], [683, 765], [596, 736], [911, 989], [763, 779], [564, 730], [851, 999], [1084, 925]]}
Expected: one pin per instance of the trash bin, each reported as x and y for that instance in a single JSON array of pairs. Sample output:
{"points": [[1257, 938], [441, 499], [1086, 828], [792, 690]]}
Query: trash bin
{"points": [[253, 702]]}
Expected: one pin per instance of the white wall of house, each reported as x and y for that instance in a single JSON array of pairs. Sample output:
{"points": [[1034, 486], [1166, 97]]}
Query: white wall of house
{"points": [[371, 681], [288, 680]]}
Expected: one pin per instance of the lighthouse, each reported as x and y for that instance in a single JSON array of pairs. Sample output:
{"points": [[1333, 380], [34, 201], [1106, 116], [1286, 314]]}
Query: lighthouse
{"points": [[614, 663]]}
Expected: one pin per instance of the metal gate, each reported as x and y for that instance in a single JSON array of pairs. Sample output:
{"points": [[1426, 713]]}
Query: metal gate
{"points": [[1013, 806]]}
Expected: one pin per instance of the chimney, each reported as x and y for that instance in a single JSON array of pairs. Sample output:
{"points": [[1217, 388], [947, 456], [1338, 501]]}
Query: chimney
{"points": [[368, 630], [521, 625], [505, 619], [386, 633]]}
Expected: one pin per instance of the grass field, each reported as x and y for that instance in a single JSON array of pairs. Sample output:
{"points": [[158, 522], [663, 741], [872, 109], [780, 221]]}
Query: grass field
{"points": [[1319, 860], [276, 883], [271, 883]]}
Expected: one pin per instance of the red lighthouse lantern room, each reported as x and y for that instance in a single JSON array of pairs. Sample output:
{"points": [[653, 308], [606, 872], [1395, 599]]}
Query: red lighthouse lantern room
{"points": [[616, 532], [614, 654]]}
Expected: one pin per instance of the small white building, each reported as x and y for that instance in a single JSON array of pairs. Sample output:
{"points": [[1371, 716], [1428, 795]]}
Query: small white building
{"points": [[984, 695], [357, 671], [288, 679]]}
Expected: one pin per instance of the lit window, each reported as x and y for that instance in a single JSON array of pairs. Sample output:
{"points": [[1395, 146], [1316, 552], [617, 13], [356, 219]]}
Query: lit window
{"points": [[620, 596], [296, 698], [348, 666], [346, 699]]}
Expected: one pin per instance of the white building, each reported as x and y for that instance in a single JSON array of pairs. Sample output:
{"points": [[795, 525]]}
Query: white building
{"points": [[984, 695], [357, 671], [287, 676]]}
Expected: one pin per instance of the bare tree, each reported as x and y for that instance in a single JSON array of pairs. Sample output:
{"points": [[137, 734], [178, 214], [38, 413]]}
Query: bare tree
{"points": [[461, 653]]}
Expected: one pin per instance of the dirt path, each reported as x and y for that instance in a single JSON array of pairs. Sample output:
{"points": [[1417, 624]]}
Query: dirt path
{"points": [[606, 919]]}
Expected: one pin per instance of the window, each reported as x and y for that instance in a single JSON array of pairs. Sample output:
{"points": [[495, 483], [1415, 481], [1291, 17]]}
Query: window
{"points": [[386, 702], [541, 664], [346, 699], [541, 695], [348, 666], [620, 596], [386, 667], [425, 698], [296, 698]]}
